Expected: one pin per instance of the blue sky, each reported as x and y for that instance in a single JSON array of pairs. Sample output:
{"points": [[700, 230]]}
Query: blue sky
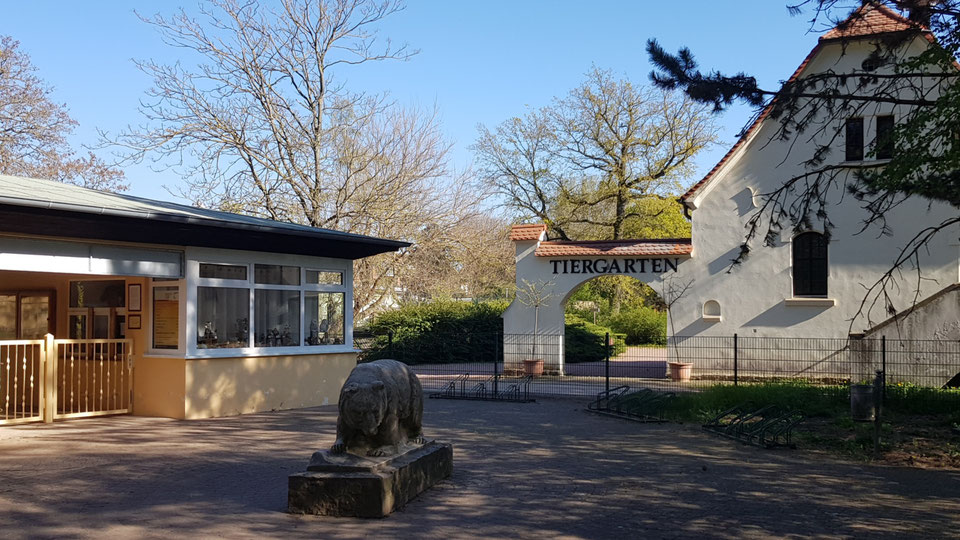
{"points": [[479, 62]]}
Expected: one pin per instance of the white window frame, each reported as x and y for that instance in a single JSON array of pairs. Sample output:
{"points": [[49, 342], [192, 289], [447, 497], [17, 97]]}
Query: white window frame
{"points": [[181, 349], [196, 256]]}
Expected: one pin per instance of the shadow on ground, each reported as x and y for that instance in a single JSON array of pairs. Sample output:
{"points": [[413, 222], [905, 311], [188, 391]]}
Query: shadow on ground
{"points": [[538, 470]]}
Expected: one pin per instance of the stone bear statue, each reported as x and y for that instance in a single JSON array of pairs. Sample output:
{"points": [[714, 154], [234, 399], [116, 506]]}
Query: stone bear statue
{"points": [[381, 410]]}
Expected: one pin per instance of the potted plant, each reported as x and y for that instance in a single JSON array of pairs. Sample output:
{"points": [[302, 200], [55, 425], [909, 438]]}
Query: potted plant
{"points": [[672, 291], [534, 294]]}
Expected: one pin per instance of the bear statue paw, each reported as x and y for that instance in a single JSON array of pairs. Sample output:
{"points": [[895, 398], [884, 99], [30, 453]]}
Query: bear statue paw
{"points": [[419, 439], [338, 448], [376, 452]]}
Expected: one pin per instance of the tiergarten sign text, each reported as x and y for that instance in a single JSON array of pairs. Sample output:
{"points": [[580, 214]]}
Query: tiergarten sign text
{"points": [[614, 266]]}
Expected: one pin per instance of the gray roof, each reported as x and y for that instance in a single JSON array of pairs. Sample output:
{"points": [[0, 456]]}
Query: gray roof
{"points": [[57, 196]]}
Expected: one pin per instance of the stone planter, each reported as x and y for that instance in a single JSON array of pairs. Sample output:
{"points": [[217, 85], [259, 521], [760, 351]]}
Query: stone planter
{"points": [[533, 367], [680, 371]]}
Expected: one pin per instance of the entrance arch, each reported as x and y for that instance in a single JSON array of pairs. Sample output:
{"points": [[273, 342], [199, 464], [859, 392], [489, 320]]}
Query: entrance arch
{"points": [[549, 271]]}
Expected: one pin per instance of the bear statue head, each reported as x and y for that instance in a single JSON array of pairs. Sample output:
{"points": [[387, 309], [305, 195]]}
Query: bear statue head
{"points": [[363, 406]]}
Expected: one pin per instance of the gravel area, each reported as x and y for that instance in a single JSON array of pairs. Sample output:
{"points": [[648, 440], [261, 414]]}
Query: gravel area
{"points": [[539, 470]]}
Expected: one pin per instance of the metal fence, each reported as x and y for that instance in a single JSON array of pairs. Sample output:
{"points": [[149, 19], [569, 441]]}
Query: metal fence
{"points": [[579, 366]]}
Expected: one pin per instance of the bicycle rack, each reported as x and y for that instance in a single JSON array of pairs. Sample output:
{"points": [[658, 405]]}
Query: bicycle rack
{"points": [[517, 391], [766, 427], [642, 405]]}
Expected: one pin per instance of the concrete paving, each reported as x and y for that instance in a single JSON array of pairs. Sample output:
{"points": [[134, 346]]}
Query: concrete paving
{"points": [[540, 470]]}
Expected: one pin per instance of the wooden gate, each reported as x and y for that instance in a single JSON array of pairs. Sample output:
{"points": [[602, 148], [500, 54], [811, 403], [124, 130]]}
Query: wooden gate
{"points": [[46, 379], [21, 380]]}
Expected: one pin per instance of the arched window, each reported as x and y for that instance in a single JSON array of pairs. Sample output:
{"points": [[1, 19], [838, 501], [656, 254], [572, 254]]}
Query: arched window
{"points": [[711, 311], [810, 264]]}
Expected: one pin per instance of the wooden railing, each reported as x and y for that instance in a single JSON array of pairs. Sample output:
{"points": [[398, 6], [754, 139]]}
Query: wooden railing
{"points": [[46, 379], [93, 377], [21, 380]]}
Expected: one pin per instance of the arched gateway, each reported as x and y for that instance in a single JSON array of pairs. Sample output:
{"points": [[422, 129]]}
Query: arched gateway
{"points": [[549, 272]]}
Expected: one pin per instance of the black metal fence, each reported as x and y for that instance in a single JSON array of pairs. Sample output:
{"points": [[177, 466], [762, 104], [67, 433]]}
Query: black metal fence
{"points": [[585, 368]]}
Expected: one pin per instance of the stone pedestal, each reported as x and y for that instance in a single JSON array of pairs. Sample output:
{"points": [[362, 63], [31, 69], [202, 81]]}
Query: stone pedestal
{"points": [[348, 485]]}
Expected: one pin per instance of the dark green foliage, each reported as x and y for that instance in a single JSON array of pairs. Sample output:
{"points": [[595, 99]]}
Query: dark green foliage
{"points": [[584, 341], [441, 332], [641, 326], [909, 398], [812, 400], [442, 316], [448, 332]]}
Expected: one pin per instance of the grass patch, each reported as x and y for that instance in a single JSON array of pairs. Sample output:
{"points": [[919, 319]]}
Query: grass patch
{"points": [[810, 399], [918, 428]]}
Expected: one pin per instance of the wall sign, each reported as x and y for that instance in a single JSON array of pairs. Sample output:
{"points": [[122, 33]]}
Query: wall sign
{"points": [[615, 266]]}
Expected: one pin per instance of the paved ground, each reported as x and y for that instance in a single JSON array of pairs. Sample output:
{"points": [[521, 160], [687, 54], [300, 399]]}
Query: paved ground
{"points": [[542, 470]]}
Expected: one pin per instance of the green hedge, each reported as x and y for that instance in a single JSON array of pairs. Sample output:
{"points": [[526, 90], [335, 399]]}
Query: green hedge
{"points": [[584, 341], [641, 325], [449, 332], [440, 332]]}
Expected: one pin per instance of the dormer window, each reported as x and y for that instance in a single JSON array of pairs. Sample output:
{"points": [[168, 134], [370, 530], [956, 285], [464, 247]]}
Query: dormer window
{"points": [[854, 139]]}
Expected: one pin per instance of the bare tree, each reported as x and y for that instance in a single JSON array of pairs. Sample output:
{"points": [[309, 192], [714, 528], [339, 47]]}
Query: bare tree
{"points": [[34, 129], [583, 163], [472, 259], [264, 124], [535, 294], [625, 143]]}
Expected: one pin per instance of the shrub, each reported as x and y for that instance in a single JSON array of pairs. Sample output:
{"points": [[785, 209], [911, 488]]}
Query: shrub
{"points": [[641, 325], [583, 341], [440, 332]]}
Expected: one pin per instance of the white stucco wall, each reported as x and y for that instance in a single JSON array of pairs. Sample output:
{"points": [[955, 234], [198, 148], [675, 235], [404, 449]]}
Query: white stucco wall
{"points": [[756, 298], [521, 321]]}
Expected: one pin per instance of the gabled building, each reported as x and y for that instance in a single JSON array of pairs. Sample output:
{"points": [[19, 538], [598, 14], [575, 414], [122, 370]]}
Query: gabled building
{"points": [[111, 303], [811, 284]]}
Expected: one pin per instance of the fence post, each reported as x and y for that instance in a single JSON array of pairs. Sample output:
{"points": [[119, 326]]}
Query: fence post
{"points": [[498, 335], [878, 384], [736, 373], [606, 342], [883, 364], [390, 344], [49, 386]]}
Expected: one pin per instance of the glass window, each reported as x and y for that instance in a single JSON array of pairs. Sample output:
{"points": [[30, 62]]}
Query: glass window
{"points": [[35, 316], [106, 293], [274, 274], [166, 318], [8, 316], [323, 320], [78, 327], [222, 317], [884, 137], [277, 318], [223, 271], [854, 139], [321, 277], [810, 264]]}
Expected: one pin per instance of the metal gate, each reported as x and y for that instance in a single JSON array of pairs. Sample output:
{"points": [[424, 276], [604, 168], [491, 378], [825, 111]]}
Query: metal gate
{"points": [[43, 380]]}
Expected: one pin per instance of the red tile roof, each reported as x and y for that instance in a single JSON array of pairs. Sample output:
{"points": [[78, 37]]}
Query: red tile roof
{"points": [[519, 233], [616, 248], [869, 19]]}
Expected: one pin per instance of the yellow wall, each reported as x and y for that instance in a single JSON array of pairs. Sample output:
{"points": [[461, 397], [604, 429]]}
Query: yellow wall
{"points": [[158, 387], [228, 386]]}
